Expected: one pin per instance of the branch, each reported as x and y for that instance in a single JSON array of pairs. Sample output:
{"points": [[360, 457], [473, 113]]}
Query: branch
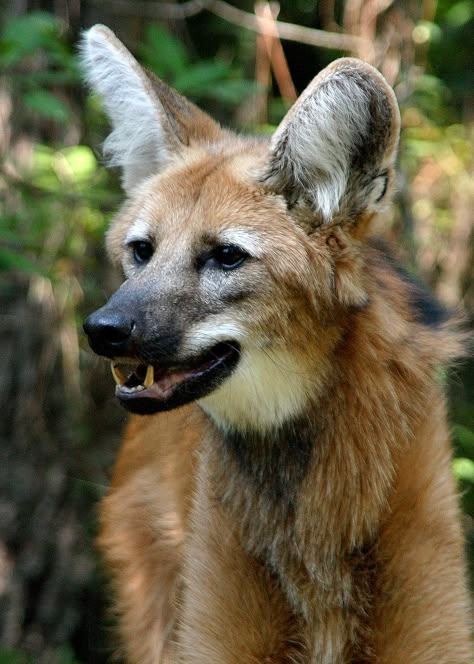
{"points": [[276, 55], [288, 31]]}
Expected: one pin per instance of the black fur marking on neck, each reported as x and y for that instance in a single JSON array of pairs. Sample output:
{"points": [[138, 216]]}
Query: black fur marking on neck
{"points": [[425, 307], [274, 462]]}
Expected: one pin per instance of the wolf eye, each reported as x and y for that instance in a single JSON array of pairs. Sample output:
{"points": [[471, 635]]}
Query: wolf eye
{"points": [[142, 251], [228, 256]]}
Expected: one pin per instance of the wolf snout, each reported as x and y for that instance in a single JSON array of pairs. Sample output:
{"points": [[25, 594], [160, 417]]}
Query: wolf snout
{"points": [[110, 332]]}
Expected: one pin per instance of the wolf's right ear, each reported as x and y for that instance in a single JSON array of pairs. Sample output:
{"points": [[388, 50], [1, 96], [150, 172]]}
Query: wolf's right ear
{"points": [[336, 147], [152, 123]]}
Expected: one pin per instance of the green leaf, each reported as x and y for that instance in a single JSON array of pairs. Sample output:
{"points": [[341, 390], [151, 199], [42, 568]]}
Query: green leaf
{"points": [[47, 104], [464, 470], [13, 657], [460, 13], [48, 77], [231, 92], [65, 655], [163, 53], [7, 234], [25, 34], [31, 30], [11, 260], [464, 438], [197, 78], [81, 161]]}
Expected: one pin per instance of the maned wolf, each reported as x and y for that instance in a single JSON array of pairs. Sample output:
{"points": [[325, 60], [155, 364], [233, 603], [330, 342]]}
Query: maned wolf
{"points": [[296, 504]]}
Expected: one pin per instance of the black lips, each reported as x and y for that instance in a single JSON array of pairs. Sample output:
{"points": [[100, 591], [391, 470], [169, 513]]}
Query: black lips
{"points": [[197, 386]]}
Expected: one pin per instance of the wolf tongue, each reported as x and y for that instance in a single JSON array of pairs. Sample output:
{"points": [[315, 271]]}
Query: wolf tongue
{"points": [[170, 379], [148, 378]]}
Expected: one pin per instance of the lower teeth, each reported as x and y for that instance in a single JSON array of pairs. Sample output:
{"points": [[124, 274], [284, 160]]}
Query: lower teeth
{"points": [[137, 388]]}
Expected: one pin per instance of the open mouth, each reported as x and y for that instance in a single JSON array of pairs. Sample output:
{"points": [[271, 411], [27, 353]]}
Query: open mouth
{"points": [[149, 388]]}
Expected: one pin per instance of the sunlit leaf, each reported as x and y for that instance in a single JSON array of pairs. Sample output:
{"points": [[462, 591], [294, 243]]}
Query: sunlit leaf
{"points": [[81, 160], [463, 470]]}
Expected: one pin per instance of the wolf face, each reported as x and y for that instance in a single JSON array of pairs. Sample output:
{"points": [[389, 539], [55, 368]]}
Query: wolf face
{"points": [[241, 258]]}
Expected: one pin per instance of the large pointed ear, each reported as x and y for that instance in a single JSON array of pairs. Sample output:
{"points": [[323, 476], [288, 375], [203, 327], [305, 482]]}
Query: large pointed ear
{"points": [[152, 123], [336, 147]]}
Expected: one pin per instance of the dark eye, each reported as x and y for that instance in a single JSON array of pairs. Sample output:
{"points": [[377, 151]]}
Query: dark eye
{"points": [[142, 251], [228, 256]]}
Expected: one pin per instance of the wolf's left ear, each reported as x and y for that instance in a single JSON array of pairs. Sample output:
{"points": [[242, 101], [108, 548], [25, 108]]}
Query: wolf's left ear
{"points": [[336, 147], [151, 122]]}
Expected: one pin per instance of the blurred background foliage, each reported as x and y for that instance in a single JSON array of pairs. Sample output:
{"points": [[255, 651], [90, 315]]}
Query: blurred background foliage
{"points": [[60, 426]]}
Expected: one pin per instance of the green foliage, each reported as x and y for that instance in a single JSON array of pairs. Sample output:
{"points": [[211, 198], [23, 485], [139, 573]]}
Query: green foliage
{"points": [[214, 79], [46, 104], [60, 210], [463, 464], [37, 38], [62, 655], [22, 36], [452, 59], [14, 657]]}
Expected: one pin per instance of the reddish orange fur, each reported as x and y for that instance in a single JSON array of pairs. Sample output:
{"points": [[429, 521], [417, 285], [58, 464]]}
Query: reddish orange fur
{"points": [[143, 523], [245, 550], [388, 538]]}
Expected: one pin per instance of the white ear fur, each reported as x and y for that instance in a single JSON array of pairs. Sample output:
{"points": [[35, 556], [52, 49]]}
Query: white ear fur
{"points": [[137, 143], [336, 145]]}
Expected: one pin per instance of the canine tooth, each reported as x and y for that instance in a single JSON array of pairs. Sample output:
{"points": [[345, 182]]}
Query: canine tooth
{"points": [[118, 375], [150, 376]]}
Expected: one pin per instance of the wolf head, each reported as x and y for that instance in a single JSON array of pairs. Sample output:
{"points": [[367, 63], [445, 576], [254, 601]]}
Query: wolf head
{"points": [[243, 259]]}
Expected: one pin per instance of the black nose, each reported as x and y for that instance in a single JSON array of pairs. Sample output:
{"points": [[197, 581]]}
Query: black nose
{"points": [[109, 332]]}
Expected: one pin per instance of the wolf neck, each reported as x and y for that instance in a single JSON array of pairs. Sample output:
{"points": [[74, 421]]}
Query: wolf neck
{"points": [[270, 388], [265, 428], [325, 468], [275, 462]]}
